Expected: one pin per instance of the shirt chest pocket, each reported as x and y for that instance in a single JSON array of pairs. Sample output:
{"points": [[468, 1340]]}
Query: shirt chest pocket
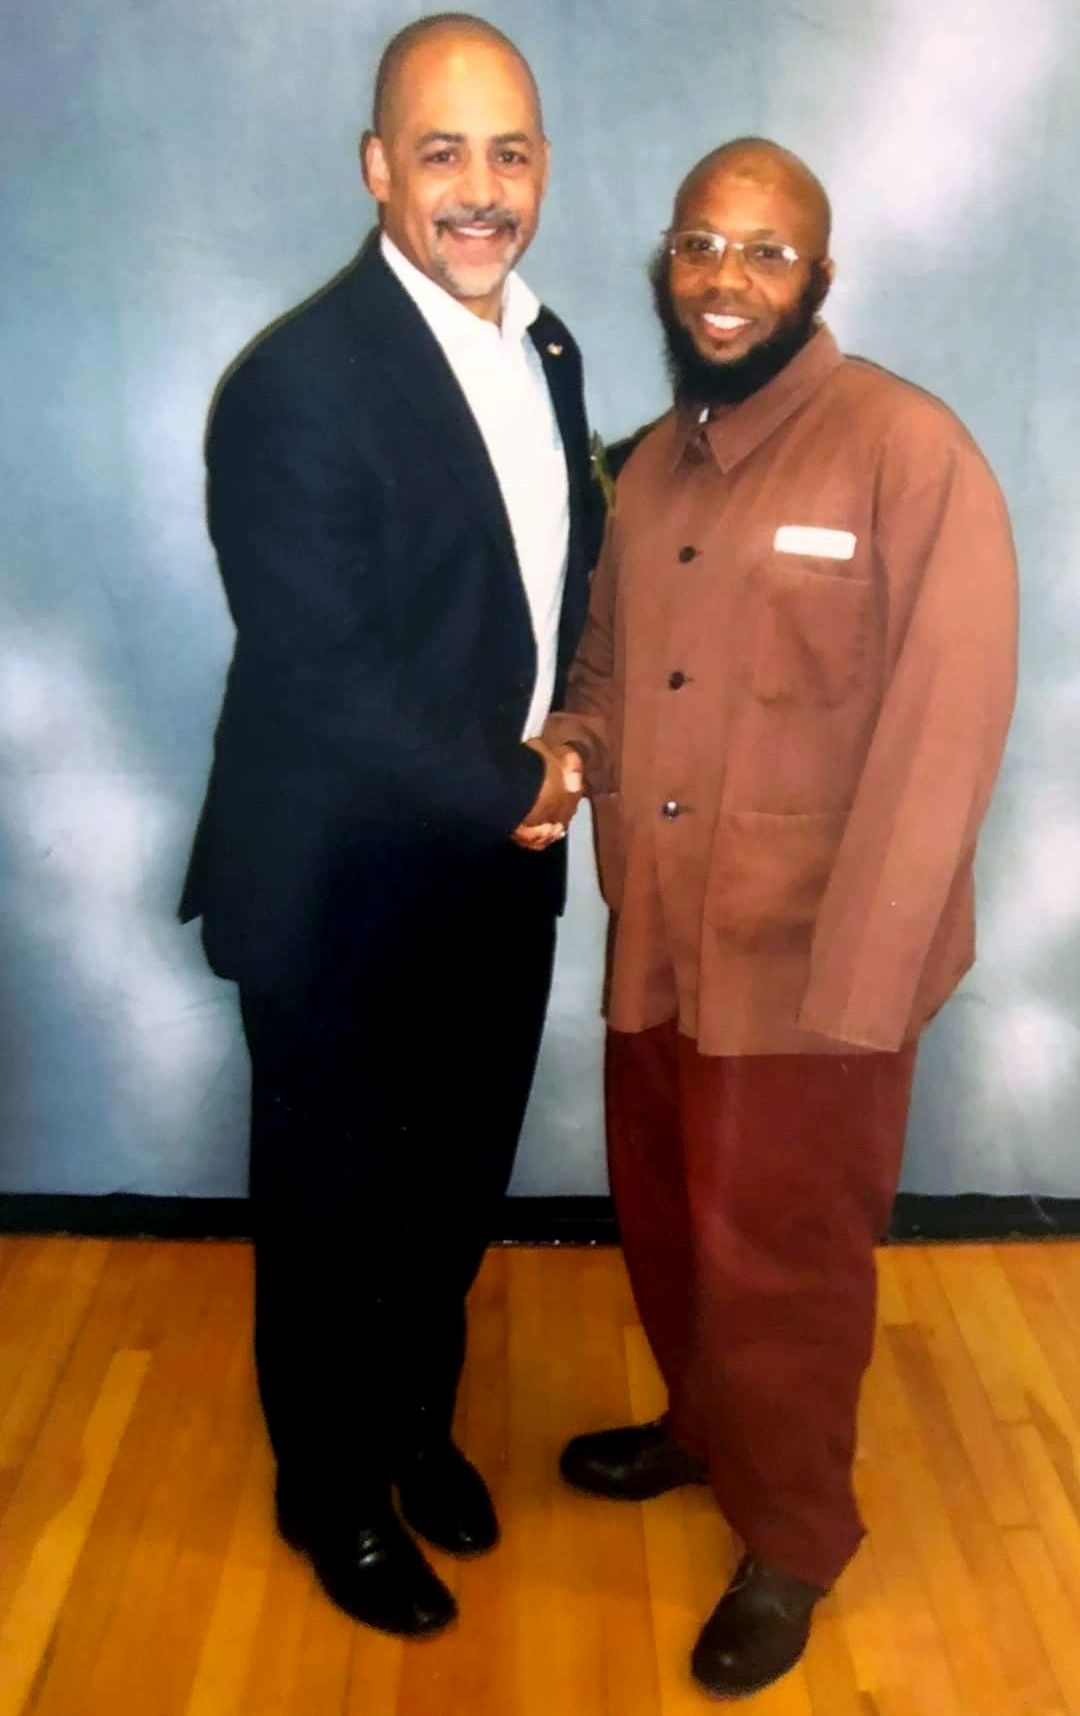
{"points": [[811, 634]]}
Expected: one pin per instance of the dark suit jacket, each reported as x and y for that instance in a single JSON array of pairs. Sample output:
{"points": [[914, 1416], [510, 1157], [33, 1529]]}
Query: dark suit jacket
{"points": [[368, 763]]}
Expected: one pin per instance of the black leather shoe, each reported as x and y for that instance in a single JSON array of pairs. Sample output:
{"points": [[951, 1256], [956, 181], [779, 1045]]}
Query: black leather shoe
{"points": [[757, 1631], [633, 1463], [446, 1500], [372, 1570]]}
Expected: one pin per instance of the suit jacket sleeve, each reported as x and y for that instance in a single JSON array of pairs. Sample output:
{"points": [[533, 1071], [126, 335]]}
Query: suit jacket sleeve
{"points": [[946, 561], [294, 515]]}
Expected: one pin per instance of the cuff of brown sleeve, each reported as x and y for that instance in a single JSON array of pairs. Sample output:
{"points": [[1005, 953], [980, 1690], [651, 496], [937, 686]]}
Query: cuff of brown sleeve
{"points": [[840, 1030], [567, 730]]}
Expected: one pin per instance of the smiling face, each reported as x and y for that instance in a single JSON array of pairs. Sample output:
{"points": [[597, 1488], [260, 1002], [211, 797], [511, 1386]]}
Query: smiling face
{"points": [[726, 310], [460, 164]]}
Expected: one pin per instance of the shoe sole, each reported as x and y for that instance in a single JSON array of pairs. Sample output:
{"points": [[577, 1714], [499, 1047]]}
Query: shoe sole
{"points": [[728, 1697], [627, 1495]]}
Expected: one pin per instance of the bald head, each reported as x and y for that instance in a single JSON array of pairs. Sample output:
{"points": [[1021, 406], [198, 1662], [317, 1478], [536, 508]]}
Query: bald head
{"points": [[744, 272], [759, 164], [458, 159], [441, 32]]}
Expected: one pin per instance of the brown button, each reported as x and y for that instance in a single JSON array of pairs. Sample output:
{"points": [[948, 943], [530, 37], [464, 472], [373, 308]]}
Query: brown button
{"points": [[670, 809], [676, 680], [687, 554]]}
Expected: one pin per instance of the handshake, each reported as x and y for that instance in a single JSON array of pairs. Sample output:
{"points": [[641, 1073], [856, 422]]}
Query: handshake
{"points": [[557, 800]]}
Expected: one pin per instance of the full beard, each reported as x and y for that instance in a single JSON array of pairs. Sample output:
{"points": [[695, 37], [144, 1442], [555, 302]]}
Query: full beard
{"points": [[697, 380], [480, 279]]}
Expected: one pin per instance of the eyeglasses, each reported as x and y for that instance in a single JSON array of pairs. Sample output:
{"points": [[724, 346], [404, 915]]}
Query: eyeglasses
{"points": [[766, 256]]}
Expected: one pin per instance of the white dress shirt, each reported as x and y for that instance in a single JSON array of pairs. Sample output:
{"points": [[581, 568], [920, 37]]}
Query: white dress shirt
{"points": [[499, 371]]}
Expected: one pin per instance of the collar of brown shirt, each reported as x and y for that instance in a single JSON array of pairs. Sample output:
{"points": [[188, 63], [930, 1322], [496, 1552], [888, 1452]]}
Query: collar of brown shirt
{"points": [[737, 430]]}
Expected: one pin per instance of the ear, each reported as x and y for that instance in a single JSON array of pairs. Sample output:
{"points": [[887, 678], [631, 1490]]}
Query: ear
{"points": [[375, 166], [546, 169], [823, 275]]}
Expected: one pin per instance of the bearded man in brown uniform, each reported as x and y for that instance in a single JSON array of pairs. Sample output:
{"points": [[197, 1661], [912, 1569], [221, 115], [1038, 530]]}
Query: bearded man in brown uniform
{"points": [[790, 701]]}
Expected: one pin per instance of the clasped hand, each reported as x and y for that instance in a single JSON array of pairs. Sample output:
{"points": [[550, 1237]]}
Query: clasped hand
{"points": [[557, 800]]}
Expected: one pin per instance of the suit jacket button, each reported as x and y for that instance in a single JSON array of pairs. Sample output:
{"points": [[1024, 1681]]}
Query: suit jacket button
{"points": [[687, 554], [670, 809]]}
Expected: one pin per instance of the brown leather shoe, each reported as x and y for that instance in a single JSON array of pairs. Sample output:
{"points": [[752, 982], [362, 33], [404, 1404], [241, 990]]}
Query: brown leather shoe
{"points": [[633, 1463], [757, 1631]]}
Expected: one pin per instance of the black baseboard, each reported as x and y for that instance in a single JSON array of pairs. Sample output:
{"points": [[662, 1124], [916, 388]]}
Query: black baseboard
{"points": [[522, 1221], [975, 1215], [124, 1215]]}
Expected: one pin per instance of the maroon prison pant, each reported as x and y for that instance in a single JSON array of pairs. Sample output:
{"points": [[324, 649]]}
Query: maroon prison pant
{"points": [[751, 1191]]}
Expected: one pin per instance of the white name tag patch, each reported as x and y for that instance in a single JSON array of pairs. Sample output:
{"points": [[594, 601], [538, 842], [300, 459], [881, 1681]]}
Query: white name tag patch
{"points": [[813, 539]]}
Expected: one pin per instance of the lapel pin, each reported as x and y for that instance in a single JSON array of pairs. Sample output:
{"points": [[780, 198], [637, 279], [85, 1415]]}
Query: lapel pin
{"points": [[556, 351]]}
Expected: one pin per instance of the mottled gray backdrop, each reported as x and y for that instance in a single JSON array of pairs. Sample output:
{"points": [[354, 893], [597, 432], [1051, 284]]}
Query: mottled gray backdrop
{"points": [[174, 174]]}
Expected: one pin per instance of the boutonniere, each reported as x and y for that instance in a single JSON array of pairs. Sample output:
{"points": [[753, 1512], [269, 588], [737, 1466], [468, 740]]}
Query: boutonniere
{"points": [[601, 470]]}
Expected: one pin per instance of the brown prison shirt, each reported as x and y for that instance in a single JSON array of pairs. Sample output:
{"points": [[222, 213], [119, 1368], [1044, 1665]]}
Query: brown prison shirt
{"points": [[792, 696]]}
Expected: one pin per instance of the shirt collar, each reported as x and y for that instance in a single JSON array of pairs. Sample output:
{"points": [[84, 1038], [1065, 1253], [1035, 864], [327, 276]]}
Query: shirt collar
{"points": [[738, 429], [450, 321]]}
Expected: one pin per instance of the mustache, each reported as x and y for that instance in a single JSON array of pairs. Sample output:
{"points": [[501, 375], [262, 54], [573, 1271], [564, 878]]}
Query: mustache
{"points": [[471, 214], [718, 304]]}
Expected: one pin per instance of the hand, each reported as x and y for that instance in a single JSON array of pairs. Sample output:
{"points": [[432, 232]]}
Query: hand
{"points": [[534, 838], [560, 790], [573, 770], [557, 800]]}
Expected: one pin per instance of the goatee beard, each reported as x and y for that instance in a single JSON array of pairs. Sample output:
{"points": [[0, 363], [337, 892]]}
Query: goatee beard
{"points": [[697, 381]]}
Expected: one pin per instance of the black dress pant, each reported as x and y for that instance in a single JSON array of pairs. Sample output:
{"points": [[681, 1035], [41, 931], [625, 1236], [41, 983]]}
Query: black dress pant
{"points": [[385, 1115]]}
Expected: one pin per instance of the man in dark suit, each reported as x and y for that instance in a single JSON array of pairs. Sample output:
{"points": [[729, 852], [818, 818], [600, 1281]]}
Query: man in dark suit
{"points": [[400, 501]]}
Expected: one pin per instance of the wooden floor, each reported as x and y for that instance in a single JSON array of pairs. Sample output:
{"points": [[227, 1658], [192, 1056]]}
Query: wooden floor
{"points": [[139, 1571]]}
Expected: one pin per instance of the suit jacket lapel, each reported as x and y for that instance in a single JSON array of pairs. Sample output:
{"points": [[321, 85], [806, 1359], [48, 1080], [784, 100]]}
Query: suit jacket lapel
{"points": [[564, 398], [563, 383], [410, 355], [400, 341]]}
